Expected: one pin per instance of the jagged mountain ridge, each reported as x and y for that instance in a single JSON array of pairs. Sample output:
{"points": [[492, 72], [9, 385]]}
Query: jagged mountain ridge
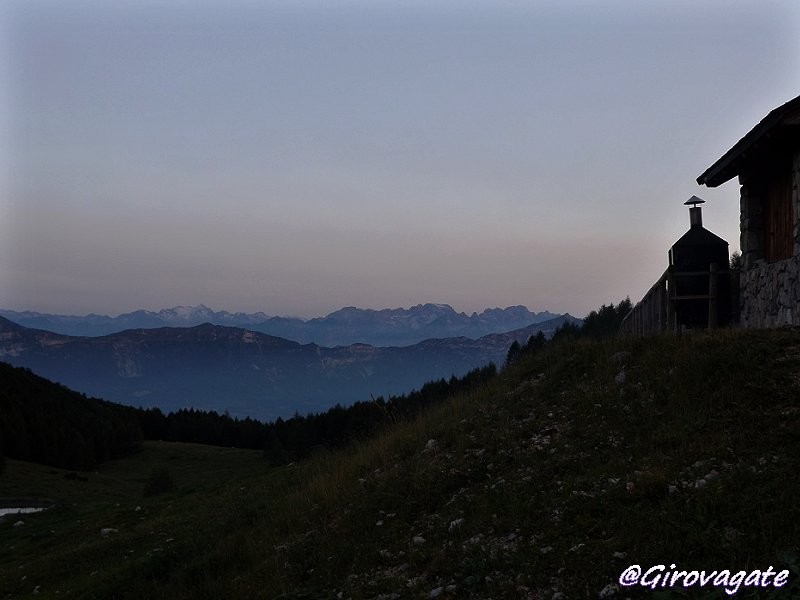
{"points": [[349, 325], [242, 371], [95, 325]]}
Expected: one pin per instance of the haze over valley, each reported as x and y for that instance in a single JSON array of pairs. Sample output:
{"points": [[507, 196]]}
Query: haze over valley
{"points": [[248, 373]]}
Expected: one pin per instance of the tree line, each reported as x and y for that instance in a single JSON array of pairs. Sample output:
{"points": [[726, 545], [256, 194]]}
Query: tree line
{"points": [[44, 422], [285, 440], [297, 437], [599, 324]]}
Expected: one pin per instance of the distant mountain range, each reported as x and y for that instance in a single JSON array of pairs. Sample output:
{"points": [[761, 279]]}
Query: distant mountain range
{"points": [[388, 327], [96, 325], [242, 371]]}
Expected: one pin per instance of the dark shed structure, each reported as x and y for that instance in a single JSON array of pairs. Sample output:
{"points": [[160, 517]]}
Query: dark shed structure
{"points": [[695, 290], [699, 268]]}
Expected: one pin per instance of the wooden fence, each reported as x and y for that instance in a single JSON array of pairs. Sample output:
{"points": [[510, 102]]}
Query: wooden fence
{"points": [[656, 312]]}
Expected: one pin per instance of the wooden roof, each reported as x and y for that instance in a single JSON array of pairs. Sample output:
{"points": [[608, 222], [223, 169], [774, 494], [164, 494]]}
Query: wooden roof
{"points": [[730, 164], [699, 236]]}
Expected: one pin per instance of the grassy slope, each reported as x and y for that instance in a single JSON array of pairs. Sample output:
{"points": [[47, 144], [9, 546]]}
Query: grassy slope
{"points": [[553, 468]]}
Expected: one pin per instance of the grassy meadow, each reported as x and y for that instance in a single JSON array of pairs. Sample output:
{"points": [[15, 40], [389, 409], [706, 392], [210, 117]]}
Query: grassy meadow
{"points": [[573, 464]]}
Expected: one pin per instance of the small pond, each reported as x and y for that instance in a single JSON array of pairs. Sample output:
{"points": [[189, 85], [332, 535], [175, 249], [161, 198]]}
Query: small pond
{"points": [[22, 506], [22, 510]]}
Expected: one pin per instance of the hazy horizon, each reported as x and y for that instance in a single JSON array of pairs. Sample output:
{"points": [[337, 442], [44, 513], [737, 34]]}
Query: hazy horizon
{"points": [[298, 157]]}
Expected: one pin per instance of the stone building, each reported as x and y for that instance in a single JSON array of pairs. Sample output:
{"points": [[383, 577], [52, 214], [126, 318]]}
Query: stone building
{"points": [[767, 162]]}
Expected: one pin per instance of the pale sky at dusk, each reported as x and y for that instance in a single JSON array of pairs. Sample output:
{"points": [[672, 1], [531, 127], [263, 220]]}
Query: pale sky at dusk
{"points": [[296, 157]]}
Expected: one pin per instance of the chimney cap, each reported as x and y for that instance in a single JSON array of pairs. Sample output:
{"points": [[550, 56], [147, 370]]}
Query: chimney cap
{"points": [[694, 201]]}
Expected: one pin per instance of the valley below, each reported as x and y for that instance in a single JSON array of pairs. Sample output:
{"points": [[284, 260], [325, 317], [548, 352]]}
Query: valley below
{"points": [[244, 372]]}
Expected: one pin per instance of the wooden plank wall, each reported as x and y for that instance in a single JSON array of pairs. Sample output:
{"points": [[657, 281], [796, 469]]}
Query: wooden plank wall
{"points": [[778, 219], [651, 314]]}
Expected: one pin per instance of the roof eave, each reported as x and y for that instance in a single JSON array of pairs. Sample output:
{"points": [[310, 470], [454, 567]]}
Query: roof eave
{"points": [[725, 168]]}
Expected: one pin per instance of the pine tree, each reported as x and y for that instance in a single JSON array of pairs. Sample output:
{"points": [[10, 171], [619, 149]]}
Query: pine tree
{"points": [[514, 352]]}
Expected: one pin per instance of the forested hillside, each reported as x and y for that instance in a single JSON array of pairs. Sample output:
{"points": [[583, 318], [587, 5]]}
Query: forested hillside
{"points": [[44, 422]]}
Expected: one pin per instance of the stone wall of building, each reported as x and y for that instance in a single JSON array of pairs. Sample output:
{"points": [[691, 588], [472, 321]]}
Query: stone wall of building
{"points": [[770, 292]]}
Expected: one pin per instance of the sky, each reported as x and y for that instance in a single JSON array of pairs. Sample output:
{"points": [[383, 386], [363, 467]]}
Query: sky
{"points": [[296, 157]]}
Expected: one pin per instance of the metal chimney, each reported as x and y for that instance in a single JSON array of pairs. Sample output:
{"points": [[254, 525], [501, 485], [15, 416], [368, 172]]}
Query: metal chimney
{"points": [[695, 212]]}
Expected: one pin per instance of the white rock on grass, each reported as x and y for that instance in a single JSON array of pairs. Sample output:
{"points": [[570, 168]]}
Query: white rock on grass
{"points": [[418, 540], [456, 524], [607, 592]]}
